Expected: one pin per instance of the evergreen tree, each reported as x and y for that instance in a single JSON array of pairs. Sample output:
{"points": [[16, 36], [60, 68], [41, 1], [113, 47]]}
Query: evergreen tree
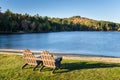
{"points": [[0, 9]]}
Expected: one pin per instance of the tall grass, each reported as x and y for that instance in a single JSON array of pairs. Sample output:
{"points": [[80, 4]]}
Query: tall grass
{"points": [[10, 69]]}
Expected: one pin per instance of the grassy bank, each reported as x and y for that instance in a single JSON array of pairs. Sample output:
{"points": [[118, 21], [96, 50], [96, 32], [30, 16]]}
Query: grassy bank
{"points": [[10, 69]]}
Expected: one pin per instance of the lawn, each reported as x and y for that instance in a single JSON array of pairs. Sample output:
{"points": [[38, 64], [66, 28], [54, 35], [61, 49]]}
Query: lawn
{"points": [[10, 69]]}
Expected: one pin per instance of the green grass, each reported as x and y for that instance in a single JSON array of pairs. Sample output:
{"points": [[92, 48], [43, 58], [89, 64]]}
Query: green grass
{"points": [[10, 69]]}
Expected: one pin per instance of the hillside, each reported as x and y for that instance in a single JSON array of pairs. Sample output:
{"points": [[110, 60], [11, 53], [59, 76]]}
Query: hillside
{"points": [[13, 22]]}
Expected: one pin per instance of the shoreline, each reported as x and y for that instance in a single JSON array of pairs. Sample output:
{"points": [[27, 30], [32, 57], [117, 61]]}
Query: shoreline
{"points": [[22, 32], [36, 52], [98, 58]]}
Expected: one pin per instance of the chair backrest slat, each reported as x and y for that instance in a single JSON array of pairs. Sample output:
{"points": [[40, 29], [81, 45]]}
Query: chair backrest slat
{"points": [[48, 59], [29, 57]]}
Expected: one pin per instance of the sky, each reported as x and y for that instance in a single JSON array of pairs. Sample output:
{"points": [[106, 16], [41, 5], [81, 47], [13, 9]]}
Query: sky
{"points": [[107, 10]]}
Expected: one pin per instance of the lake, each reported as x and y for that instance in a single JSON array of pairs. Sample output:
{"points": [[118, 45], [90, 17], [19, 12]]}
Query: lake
{"points": [[92, 43]]}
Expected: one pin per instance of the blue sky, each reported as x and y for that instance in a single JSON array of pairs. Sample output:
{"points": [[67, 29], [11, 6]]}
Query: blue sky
{"points": [[107, 10]]}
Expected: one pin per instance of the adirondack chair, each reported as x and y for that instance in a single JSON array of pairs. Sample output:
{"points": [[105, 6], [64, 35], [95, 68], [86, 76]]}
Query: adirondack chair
{"points": [[49, 61], [30, 59]]}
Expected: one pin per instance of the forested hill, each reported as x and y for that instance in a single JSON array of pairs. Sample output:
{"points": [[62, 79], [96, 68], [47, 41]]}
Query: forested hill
{"points": [[14, 22]]}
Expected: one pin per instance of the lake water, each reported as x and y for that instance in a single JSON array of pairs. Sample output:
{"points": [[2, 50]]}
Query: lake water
{"points": [[93, 43]]}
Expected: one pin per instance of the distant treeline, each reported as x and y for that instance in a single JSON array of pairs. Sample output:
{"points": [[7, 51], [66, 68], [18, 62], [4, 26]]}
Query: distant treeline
{"points": [[14, 22]]}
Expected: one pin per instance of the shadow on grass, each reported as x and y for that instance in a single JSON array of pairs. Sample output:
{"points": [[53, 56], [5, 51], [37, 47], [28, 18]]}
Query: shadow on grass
{"points": [[84, 65]]}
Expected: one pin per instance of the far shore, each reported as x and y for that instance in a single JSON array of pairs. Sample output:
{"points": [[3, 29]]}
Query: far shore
{"points": [[20, 32], [67, 56]]}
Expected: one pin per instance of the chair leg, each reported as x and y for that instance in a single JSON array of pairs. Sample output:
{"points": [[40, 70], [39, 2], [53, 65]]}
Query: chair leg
{"points": [[24, 65], [41, 68], [54, 70], [60, 66], [35, 67]]}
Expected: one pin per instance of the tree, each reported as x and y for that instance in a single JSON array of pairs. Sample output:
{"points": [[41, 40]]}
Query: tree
{"points": [[39, 28], [6, 21], [0, 9], [36, 16], [76, 17], [32, 26], [0, 16]]}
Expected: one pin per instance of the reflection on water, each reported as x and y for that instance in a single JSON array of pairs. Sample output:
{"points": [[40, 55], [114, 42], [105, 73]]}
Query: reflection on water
{"points": [[96, 43]]}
